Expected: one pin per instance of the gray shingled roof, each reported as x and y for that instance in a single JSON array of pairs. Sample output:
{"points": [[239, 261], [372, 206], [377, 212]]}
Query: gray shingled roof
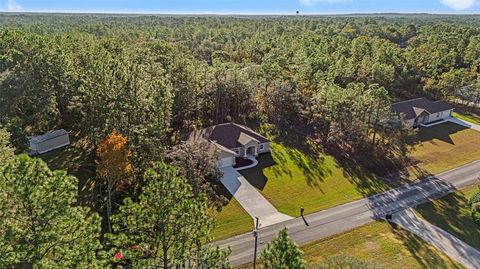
{"points": [[48, 136], [227, 135], [414, 107]]}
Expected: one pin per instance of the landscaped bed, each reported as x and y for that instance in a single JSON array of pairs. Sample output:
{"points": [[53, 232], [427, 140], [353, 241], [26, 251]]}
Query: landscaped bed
{"points": [[242, 162]]}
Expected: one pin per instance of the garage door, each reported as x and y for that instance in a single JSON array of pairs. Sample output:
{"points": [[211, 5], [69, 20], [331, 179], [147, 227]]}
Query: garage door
{"points": [[224, 162]]}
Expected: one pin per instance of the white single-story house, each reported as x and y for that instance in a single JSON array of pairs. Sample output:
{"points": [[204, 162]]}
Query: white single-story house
{"points": [[48, 142], [232, 141], [422, 111]]}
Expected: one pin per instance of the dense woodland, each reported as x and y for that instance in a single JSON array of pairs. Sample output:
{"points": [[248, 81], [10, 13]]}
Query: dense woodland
{"points": [[129, 87]]}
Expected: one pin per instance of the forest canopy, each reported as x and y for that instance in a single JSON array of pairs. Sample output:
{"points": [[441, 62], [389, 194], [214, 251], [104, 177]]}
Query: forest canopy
{"points": [[153, 78]]}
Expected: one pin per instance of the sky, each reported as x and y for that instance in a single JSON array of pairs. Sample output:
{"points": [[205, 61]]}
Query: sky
{"points": [[243, 6]]}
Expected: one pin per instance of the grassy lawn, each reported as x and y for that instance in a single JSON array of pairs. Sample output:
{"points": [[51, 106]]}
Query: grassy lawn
{"points": [[452, 214], [444, 147], [76, 159], [290, 179], [469, 114], [232, 220], [378, 242]]}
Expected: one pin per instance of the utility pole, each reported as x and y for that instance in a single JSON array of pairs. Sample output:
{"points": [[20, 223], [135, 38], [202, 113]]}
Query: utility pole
{"points": [[255, 234]]}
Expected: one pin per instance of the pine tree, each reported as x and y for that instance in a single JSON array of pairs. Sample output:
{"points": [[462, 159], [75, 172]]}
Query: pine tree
{"points": [[169, 226], [6, 150], [282, 253], [39, 225]]}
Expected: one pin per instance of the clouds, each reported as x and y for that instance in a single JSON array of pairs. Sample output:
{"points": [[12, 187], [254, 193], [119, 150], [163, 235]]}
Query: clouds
{"points": [[314, 2], [11, 6], [458, 4]]}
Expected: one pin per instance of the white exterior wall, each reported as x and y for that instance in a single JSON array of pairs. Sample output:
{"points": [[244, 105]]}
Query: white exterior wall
{"points": [[266, 147], [440, 115]]}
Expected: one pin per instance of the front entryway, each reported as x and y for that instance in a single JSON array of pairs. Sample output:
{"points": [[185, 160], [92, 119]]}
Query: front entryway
{"points": [[252, 151]]}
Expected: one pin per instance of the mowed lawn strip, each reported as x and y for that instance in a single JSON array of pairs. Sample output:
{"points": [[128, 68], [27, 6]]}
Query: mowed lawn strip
{"points": [[470, 116], [452, 214], [291, 179], [380, 243], [232, 220], [446, 146]]}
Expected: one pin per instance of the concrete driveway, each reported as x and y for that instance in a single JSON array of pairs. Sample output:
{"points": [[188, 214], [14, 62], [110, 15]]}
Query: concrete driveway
{"points": [[450, 245], [464, 123], [250, 199]]}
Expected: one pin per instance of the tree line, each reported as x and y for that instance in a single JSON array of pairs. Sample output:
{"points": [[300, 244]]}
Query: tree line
{"points": [[131, 86]]}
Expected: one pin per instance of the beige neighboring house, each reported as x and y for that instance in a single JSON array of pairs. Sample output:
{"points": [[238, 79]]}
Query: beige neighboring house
{"points": [[232, 141], [422, 111]]}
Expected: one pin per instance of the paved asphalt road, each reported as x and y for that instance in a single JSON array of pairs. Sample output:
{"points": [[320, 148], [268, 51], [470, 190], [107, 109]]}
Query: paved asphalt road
{"points": [[348, 216]]}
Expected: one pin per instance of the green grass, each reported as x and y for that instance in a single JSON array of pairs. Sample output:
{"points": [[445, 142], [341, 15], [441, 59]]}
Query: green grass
{"points": [[77, 160], [382, 244], [290, 179], [232, 220], [446, 146], [452, 214], [473, 117]]}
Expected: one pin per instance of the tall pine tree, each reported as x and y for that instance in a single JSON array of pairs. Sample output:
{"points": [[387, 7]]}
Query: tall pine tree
{"points": [[282, 253], [40, 227]]}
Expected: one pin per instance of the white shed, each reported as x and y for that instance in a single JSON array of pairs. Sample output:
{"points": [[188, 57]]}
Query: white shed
{"points": [[49, 141]]}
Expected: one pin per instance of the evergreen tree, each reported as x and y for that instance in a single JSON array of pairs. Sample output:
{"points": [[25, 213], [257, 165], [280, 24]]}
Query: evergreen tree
{"points": [[169, 226], [282, 253], [39, 225], [6, 150]]}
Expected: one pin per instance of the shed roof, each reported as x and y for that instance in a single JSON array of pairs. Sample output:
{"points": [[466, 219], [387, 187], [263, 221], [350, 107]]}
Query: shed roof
{"points": [[48, 136], [414, 107]]}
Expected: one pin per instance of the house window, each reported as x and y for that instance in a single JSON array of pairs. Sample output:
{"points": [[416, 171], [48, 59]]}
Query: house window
{"points": [[261, 147], [237, 151]]}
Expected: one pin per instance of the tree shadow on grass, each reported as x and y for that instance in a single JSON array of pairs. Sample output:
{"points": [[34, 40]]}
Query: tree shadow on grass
{"points": [[422, 252], [255, 175], [365, 181], [292, 152], [452, 214], [77, 160], [440, 132]]}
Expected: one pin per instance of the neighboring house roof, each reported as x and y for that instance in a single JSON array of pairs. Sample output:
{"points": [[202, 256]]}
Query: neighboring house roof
{"points": [[415, 107], [48, 136], [228, 135]]}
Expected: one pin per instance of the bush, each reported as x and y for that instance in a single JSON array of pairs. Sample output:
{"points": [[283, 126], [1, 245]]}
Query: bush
{"points": [[474, 203]]}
